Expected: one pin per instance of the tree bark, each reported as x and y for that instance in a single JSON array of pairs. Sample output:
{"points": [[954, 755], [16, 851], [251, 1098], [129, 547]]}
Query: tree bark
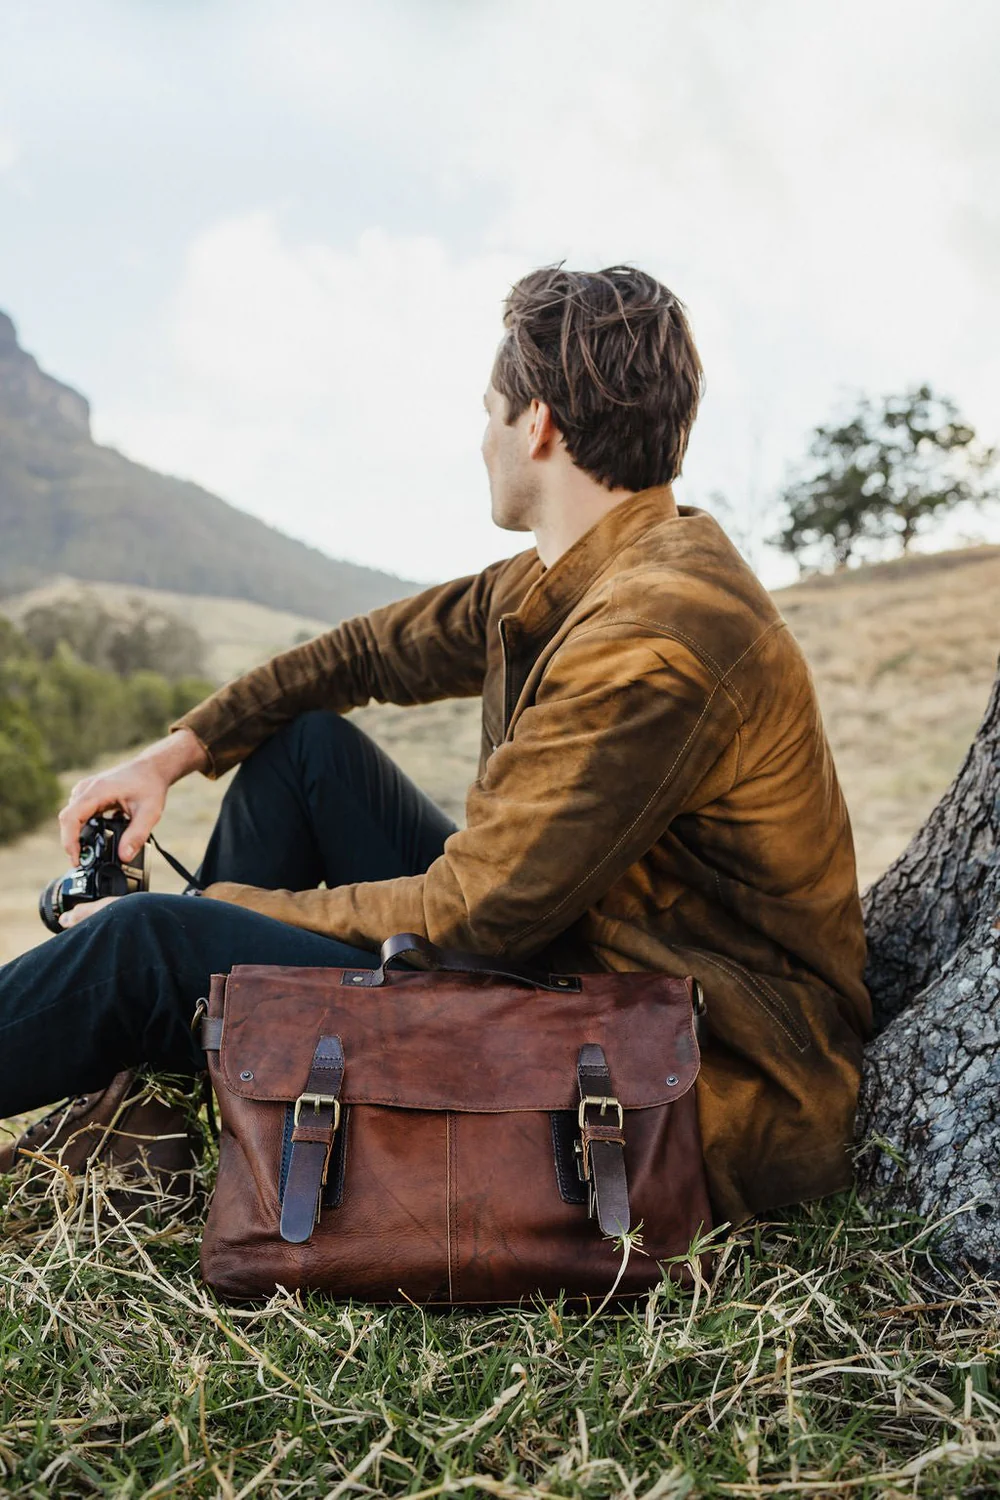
{"points": [[926, 905], [929, 1108]]}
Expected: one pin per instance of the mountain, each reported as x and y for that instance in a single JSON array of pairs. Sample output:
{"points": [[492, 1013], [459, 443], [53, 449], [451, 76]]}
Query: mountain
{"points": [[70, 506]]}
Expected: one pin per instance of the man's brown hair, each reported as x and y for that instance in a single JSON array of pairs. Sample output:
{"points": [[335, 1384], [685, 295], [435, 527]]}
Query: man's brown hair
{"points": [[611, 354]]}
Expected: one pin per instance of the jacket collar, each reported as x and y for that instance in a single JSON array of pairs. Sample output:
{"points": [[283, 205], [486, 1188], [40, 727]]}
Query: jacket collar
{"points": [[557, 589]]}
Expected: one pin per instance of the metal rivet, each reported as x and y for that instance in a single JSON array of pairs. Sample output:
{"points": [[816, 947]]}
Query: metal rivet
{"points": [[357, 979], [246, 1075], [672, 1079]]}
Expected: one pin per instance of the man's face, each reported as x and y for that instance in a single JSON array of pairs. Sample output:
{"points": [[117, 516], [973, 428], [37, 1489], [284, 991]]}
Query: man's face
{"points": [[514, 481]]}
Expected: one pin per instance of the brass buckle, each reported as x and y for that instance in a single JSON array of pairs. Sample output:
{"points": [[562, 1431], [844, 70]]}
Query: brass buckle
{"points": [[604, 1100], [318, 1101]]}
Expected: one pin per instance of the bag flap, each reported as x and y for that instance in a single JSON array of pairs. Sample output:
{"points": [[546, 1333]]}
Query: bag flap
{"points": [[456, 1041]]}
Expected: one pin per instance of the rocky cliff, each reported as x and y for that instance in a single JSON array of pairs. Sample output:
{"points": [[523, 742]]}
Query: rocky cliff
{"points": [[29, 396], [70, 506]]}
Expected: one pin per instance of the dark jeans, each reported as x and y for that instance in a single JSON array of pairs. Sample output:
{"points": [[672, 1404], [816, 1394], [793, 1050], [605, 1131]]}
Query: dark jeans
{"points": [[319, 801]]}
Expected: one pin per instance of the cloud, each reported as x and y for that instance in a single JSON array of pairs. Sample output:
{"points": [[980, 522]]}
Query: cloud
{"points": [[815, 181], [336, 393]]}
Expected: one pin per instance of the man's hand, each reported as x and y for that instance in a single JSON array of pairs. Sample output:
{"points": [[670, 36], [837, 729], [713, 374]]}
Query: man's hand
{"points": [[77, 914], [138, 786]]}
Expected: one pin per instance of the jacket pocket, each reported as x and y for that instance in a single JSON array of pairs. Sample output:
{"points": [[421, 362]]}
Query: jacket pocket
{"points": [[761, 992]]}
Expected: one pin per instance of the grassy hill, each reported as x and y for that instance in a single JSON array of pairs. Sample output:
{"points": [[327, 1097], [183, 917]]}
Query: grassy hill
{"points": [[70, 506]]}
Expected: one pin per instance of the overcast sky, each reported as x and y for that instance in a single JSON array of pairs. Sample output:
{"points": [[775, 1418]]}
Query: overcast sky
{"points": [[270, 241]]}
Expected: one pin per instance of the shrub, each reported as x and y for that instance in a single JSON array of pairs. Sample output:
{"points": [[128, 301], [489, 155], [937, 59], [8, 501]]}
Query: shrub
{"points": [[62, 712], [188, 691], [29, 789]]}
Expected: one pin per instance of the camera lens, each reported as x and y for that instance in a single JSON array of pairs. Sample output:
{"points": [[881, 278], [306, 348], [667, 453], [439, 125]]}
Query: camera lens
{"points": [[50, 904]]}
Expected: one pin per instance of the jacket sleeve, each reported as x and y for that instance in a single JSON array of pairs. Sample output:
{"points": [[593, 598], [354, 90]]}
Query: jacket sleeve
{"points": [[429, 646], [622, 733]]}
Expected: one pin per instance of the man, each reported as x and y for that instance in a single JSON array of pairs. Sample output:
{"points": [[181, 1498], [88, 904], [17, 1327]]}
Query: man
{"points": [[655, 788]]}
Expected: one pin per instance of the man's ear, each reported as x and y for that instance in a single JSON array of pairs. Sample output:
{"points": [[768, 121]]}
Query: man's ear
{"points": [[543, 434]]}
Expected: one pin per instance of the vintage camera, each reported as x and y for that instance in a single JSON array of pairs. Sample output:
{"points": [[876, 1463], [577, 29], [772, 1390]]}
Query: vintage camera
{"points": [[101, 871]]}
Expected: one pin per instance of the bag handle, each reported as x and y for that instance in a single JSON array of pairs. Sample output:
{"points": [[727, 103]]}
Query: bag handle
{"points": [[428, 955]]}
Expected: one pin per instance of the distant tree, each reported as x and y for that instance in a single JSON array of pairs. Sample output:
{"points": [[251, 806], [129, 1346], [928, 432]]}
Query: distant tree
{"points": [[61, 712], [131, 638], [882, 474], [186, 692], [29, 790]]}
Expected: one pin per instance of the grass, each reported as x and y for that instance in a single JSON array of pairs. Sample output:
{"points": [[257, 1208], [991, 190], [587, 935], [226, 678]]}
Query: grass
{"points": [[830, 1354]]}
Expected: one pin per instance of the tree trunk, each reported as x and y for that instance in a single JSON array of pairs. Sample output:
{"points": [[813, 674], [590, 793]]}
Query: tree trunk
{"points": [[929, 1110], [926, 905]]}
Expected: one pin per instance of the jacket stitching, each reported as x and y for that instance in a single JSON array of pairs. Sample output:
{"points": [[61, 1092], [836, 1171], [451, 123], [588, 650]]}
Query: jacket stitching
{"points": [[540, 921], [759, 998], [748, 982], [774, 625], [763, 989], [688, 640], [607, 624], [763, 985], [670, 632]]}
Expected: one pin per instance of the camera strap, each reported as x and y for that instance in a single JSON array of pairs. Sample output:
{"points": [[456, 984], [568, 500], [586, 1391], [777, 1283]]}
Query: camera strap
{"points": [[176, 865]]}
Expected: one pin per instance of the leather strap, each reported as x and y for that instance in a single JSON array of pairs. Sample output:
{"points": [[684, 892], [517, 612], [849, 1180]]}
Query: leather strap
{"points": [[427, 955], [603, 1140], [211, 1033], [317, 1116]]}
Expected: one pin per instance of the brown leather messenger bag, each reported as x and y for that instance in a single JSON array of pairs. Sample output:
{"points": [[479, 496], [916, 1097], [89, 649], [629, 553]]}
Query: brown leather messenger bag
{"points": [[455, 1131]]}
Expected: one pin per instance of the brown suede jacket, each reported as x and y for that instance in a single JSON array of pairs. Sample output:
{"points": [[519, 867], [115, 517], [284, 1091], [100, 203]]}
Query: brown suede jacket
{"points": [[655, 791]]}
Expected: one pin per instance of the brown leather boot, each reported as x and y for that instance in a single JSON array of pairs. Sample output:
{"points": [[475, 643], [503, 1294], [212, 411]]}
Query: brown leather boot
{"points": [[147, 1143]]}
